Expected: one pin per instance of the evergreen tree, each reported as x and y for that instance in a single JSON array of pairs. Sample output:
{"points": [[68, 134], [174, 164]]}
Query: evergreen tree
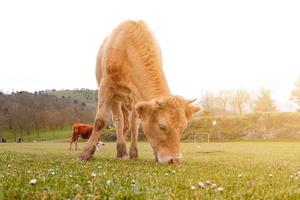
{"points": [[264, 102]]}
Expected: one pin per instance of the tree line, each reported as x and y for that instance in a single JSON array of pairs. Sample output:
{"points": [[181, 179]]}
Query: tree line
{"points": [[241, 101], [24, 112]]}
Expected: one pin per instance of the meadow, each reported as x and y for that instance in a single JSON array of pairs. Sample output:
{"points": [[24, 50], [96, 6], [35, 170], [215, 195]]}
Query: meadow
{"points": [[221, 170]]}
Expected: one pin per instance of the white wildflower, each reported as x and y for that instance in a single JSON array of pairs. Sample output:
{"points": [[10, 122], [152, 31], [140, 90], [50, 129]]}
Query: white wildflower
{"points": [[193, 187], [270, 175], [132, 182], [219, 189], [213, 185], [32, 181], [201, 184], [93, 175]]}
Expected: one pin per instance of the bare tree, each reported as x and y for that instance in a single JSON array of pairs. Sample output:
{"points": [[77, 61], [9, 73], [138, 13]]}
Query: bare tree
{"points": [[208, 103], [239, 99], [223, 100]]}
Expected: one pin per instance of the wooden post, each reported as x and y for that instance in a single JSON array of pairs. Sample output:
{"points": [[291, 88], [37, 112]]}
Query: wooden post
{"points": [[208, 141]]}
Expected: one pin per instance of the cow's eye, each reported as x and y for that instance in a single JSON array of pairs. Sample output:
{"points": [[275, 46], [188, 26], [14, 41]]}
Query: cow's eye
{"points": [[162, 127]]}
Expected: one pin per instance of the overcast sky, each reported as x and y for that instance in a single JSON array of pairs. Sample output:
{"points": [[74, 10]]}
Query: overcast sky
{"points": [[206, 45]]}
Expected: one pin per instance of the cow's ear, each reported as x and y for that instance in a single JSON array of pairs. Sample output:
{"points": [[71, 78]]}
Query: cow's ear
{"points": [[143, 108], [190, 110]]}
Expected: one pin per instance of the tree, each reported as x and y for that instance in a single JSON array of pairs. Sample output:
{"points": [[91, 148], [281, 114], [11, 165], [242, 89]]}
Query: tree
{"points": [[222, 101], [264, 102], [239, 99], [208, 102], [296, 93]]}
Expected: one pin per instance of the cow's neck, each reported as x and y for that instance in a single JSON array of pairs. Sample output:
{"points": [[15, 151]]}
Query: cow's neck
{"points": [[153, 85]]}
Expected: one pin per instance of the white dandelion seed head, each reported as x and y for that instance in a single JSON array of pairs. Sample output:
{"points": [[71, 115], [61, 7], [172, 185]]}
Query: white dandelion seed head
{"points": [[193, 187], [33, 181], [108, 182], [220, 189], [201, 184], [93, 175]]}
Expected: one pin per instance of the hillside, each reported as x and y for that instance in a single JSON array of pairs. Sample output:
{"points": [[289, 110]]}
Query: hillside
{"points": [[24, 113], [81, 96]]}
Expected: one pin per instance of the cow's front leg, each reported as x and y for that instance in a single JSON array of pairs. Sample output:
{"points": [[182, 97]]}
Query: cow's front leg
{"points": [[90, 148], [101, 120], [134, 129], [118, 120]]}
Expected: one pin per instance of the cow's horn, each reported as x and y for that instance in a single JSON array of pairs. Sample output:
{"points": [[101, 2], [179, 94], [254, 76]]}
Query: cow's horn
{"points": [[191, 101]]}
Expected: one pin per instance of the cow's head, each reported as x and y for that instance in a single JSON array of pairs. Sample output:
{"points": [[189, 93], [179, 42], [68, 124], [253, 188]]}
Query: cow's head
{"points": [[163, 121]]}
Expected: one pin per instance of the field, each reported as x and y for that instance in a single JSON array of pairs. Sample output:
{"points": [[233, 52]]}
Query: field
{"points": [[224, 170]]}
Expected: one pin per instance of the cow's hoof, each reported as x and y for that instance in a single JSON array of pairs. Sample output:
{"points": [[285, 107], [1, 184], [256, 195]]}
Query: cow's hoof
{"points": [[133, 152], [87, 153], [122, 151]]}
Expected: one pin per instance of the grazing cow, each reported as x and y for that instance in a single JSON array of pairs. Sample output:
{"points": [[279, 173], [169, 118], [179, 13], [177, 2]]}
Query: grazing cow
{"points": [[132, 83], [80, 130]]}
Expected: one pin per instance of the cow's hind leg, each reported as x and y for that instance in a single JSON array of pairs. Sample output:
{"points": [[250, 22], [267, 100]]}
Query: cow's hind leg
{"points": [[76, 144], [118, 120], [71, 144], [73, 139], [134, 129], [101, 120]]}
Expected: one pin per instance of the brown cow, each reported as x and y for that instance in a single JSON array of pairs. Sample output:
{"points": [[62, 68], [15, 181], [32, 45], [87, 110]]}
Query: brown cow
{"points": [[129, 75], [80, 130]]}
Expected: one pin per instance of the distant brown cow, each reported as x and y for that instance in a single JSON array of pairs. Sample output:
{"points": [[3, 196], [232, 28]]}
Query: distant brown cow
{"points": [[80, 130], [129, 75]]}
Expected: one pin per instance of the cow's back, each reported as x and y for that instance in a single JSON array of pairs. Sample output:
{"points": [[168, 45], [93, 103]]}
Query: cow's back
{"points": [[130, 58]]}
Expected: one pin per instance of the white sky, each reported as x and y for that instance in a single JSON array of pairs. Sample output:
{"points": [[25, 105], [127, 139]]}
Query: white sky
{"points": [[206, 45]]}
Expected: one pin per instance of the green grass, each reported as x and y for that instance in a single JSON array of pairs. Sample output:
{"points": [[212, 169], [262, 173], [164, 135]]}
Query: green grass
{"points": [[242, 169], [43, 135]]}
